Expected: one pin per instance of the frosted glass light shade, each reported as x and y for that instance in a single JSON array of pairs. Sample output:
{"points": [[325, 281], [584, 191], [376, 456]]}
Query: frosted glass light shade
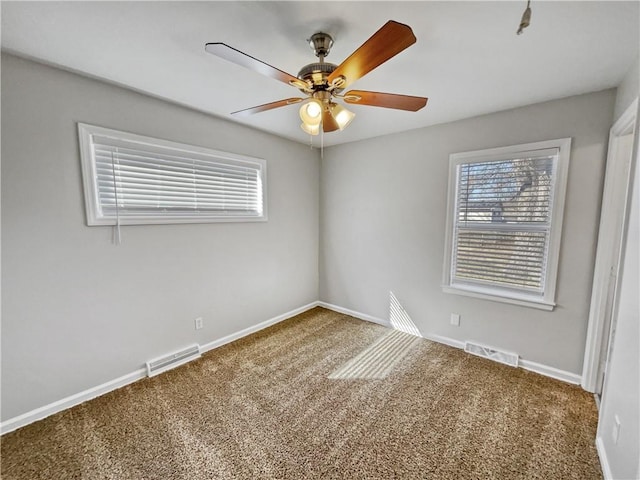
{"points": [[342, 116], [310, 129], [311, 112]]}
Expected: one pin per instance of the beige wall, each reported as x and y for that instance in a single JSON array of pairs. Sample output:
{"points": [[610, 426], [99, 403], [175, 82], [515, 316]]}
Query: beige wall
{"points": [[383, 212], [77, 310]]}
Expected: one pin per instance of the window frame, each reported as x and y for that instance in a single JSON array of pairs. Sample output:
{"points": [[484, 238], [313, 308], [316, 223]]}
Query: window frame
{"points": [[545, 301], [94, 214]]}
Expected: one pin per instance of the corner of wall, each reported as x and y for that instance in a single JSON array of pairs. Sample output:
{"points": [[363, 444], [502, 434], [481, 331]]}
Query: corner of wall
{"points": [[627, 90]]}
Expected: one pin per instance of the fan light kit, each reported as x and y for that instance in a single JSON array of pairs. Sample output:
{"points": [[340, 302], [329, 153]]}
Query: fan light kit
{"points": [[323, 82]]}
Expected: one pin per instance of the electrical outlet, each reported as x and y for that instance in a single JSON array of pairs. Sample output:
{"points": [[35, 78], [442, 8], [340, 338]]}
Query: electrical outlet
{"points": [[455, 319], [199, 323], [616, 429]]}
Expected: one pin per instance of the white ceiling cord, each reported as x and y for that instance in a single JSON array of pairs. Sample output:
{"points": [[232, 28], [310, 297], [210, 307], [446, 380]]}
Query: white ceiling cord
{"points": [[526, 19]]}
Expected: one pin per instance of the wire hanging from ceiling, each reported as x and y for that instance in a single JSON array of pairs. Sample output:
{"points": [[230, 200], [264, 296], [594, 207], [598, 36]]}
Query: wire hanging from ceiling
{"points": [[525, 20]]}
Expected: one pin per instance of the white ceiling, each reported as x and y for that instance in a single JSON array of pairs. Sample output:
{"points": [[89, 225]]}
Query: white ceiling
{"points": [[467, 60]]}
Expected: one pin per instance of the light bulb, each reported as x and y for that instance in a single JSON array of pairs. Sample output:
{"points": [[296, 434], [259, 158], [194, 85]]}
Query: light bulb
{"points": [[311, 112], [313, 109]]}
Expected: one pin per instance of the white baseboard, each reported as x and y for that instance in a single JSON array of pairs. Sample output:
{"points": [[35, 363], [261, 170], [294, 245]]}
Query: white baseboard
{"points": [[255, 328], [70, 401], [386, 323], [604, 462], [526, 364], [446, 340], [353, 313], [552, 372], [78, 398]]}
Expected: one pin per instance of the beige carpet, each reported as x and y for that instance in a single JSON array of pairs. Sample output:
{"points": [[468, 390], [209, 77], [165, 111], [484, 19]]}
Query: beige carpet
{"points": [[265, 407]]}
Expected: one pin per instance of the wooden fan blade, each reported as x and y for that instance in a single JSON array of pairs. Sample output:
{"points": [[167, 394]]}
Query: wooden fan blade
{"points": [[240, 58], [386, 100], [267, 106], [386, 43], [329, 123]]}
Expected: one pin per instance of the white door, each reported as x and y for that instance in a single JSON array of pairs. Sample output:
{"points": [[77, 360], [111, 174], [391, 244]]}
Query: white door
{"points": [[606, 272], [614, 224]]}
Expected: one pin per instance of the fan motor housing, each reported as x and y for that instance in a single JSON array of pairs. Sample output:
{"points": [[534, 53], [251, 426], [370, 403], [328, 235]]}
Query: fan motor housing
{"points": [[317, 74]]}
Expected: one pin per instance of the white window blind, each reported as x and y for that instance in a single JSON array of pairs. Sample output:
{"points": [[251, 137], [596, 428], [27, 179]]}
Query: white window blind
{"points": [[505, 222], [133, 179]]}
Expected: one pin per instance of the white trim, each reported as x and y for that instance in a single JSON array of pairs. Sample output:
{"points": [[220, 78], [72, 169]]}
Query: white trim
{"points": [[545, 370], [86, 133], [445, 340], [71, 401], [563, 148], [609, 245], [255, 328], [353, 313], [386, 323], [78, 398], [476, 293], [596, 397], [557, 216], [551, 372], [504, 153], [93, 392], [604, 461]]}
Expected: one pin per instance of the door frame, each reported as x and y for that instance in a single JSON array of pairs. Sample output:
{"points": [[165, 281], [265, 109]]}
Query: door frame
{"points": [[607, 264]]}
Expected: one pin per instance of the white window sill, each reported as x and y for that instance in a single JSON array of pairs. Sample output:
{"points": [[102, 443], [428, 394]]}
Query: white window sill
{"points": [[170, 220], [489, 295]]}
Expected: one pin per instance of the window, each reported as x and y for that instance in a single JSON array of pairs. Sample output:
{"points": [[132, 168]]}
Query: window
{"points": [[131, 179], [504, 222]]}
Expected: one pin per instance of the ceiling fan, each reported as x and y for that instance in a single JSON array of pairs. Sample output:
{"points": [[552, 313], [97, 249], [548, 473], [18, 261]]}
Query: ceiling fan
{"points": [[323, 82]]}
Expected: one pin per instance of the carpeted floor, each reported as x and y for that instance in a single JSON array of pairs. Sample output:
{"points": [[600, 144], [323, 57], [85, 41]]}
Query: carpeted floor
{"points": [[313, 397]]}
